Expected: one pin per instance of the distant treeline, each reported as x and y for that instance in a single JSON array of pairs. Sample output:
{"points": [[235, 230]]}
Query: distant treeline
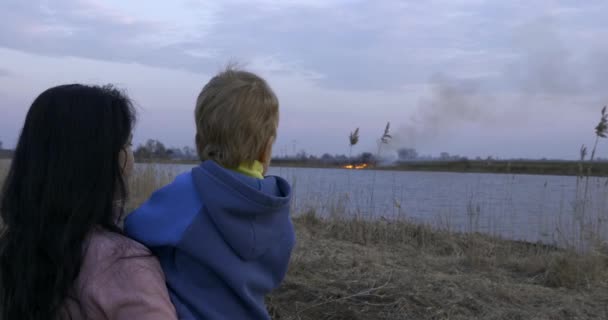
{"points": [[156, 150], [545, 167], [406, 159]]}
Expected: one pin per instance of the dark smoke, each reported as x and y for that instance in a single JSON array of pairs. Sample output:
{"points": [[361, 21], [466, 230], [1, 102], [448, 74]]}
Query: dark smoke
{"points": [[451, 102]]}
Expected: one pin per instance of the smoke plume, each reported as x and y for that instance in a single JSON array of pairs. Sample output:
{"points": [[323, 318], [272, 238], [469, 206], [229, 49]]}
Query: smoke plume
{"points": [[545, 70]]}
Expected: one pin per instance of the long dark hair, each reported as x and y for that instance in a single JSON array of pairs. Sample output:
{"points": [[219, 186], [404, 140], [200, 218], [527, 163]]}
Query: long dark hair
{"points": [[64, 181]]}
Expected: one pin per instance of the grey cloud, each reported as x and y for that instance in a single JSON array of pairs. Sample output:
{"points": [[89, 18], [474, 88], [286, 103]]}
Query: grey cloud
{"points": [[5, 73], [73, 28], [384, 45], [359, 46], [555, 62]]}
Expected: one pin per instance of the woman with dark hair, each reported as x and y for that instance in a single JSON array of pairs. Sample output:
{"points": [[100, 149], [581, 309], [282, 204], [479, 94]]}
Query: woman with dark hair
{"points": [[62, 252]]}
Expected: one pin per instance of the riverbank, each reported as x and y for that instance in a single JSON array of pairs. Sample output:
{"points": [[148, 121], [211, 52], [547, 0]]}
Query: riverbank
{"points": [[536, 167], [549, 167], [355, 269]]}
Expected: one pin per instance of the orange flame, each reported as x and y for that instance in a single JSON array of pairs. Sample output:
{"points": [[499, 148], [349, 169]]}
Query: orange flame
{"points": [[356, 166]]}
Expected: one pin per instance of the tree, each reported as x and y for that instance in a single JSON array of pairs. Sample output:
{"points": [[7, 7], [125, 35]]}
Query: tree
{"points": [[176, 153], [141, 152], [342, 158], [157, 149], [327, 158], [444, 156], [189, 153], [152, 149], [405, 154], [302, 156], [0, 144], [367, 157]]}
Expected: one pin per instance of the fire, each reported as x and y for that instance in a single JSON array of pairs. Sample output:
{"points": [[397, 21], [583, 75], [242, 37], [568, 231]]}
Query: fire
{"points": [[356, 166]]}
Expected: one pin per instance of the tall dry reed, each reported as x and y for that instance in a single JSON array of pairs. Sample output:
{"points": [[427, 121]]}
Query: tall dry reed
{"points": [[588, 234]]}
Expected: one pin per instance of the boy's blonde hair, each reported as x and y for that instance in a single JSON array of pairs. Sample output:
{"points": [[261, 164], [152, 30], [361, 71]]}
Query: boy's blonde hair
{"points": [[236, 115]]}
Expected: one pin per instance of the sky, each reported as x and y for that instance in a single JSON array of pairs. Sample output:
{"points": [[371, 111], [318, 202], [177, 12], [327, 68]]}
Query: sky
{"points": [[511, 79]]}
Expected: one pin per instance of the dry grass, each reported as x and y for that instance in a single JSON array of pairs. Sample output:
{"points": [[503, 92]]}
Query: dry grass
{"points": [[352, 268], [4, 165], [359, 269], [144, 181]]}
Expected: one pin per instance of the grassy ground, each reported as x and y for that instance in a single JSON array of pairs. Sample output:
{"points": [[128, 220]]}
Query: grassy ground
{"points": [[4, 165], [354, 269], [349, 268]]}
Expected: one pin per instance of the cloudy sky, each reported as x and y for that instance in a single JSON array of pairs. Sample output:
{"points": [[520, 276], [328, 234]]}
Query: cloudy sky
{"points": [[470, 77]]}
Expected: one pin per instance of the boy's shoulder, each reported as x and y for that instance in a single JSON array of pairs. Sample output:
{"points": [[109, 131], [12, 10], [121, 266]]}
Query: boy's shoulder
{"points": [[163, 218], [182, 185]]}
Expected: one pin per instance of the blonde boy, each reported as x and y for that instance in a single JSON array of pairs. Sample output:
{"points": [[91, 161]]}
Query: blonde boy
{"points": [[223, 232]]}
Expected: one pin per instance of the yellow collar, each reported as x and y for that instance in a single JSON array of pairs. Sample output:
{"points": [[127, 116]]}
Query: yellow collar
{"points": [[255, 170]]}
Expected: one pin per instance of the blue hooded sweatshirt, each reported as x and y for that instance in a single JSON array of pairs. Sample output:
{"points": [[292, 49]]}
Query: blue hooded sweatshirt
{"points": [[223, 240]]}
